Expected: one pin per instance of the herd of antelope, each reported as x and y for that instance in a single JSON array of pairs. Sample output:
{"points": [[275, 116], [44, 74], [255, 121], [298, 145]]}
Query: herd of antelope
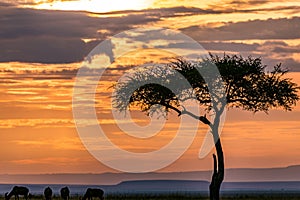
{"points": [[64, 193]]}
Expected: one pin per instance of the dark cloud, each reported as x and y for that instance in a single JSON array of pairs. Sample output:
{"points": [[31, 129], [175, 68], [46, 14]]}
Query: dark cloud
{"points": [[251, 6], [29, 35], [189, 11], [280, 52], [29, 22], [242, 3], [295, 49], [30, 2], [43, 49], [215, 46], [290, 9], [291, 64], [284, 28], [169, 12], [248, 2], [5, 4], [272, 52], [24, 23], [278, 47], [288, 63], [45, 36], [229, 46]]}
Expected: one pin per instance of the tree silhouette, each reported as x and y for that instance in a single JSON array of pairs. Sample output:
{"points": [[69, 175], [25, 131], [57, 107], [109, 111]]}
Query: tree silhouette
{"points": [[243, 83]]}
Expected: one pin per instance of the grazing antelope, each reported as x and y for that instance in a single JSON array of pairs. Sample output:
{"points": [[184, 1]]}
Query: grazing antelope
{"points": [[48, 193], [93, 192], [16, 191], [65, 193]]}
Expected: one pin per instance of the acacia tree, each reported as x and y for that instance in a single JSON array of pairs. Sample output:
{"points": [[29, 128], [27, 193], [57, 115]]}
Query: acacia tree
{"points": [[243, 83]]}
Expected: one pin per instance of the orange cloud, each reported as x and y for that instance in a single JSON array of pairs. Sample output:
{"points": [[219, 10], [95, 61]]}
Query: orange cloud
{"points": [[62, 143], [57, 160]]}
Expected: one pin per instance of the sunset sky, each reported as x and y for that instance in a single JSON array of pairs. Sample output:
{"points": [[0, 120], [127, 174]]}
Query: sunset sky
{"points": [[44, 42]]}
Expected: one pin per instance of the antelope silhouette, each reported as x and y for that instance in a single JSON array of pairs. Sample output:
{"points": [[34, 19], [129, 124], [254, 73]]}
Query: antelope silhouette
{"points": [[48, 193], [16, 191], [65, 193], [93, 192]]}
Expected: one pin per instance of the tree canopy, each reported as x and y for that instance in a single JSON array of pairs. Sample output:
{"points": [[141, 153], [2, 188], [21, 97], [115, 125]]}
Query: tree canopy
{"points": [[246, 84], [237, 82]]}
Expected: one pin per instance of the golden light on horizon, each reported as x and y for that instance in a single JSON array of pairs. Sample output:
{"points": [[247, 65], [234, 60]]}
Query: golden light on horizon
{"points": [[94, 5], [43, 52]]}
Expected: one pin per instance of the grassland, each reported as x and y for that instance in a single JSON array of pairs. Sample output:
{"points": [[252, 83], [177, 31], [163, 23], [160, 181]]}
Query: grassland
{"points": [[285, 196]]}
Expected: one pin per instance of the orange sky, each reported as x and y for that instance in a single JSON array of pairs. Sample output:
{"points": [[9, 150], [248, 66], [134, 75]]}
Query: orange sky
{"points": [[37, 131]]}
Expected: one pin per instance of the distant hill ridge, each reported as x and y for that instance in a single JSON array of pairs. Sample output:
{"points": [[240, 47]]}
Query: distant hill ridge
{"points": [[160, 181], [202, 186], [290, 173], [163, 185], [170, 186]]}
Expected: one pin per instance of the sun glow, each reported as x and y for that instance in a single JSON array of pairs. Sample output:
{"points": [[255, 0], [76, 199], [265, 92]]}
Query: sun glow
{"points": [[98, 6]]}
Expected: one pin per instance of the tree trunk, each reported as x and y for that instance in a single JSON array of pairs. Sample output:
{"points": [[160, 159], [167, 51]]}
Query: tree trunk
{"points": [[218, 173]]}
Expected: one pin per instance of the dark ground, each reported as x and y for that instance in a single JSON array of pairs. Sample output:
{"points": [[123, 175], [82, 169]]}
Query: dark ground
{"points": [[188, 196]]}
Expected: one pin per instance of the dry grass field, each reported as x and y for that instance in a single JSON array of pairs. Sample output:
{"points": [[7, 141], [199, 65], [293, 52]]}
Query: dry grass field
{"points": [[270, 196]]}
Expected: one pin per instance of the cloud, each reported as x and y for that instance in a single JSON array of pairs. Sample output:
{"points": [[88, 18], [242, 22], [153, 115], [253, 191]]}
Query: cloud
{"points": [[30, 22], [63, 143], [247, 2], [218, 46], [171, 12], [43, 49], [283, 28], [45, 36], [36, 123], [46, 161], [291, 64], [5, 4], [249, 5], [290, 9], [271, 33], [274, 52], [34, 2], [183, 11], [16, 71], [288, 49]]}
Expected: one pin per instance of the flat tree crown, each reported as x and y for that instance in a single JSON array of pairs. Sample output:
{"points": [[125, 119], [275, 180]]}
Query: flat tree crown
{"points": [[243, 83]]}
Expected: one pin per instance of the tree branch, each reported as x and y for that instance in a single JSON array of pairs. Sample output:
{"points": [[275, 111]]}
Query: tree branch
{"points": [[171, 107], [203, 119]]}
